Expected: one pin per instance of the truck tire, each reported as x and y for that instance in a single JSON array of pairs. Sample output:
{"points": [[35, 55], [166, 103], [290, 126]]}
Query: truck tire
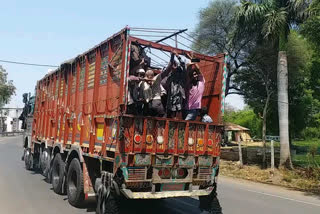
{"points": [[111, 205], [210, 203], [45, 161], [214, 206], [75, 183], [28, 159], [57, 174]]}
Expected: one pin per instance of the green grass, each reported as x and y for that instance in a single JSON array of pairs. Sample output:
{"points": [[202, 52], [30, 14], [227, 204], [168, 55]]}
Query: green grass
{"points": [[306, 143], [304, 160], [303, 157], [275, 144]]}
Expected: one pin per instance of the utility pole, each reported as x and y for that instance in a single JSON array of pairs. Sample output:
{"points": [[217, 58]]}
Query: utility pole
{"points": [[272, 155]]}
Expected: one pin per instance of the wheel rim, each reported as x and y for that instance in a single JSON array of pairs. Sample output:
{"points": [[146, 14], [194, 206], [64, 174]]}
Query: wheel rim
{"points": [[56, 174], [28, 159], [73, 182], [44, 161]]}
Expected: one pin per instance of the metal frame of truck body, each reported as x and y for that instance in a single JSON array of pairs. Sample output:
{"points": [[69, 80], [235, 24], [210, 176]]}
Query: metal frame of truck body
{"points": [[78, 113]]}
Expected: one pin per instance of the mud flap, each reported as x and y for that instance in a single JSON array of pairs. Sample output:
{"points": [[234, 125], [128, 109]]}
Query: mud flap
{"points": [[86, 180]]}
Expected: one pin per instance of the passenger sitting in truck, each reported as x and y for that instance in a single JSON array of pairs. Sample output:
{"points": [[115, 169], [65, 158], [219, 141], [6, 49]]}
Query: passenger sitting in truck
{"points": [[195, 89], [135, 104], [151, 89]]}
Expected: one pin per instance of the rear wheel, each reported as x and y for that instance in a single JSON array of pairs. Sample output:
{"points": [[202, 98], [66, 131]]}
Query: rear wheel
{"points": [[75, 183], [111, 205], [57, 174], [108, 202], [210, 203]]}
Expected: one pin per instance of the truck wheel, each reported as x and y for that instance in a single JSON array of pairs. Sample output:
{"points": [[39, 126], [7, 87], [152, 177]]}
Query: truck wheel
{"points": [[210, 203], [28, 159], [111, 205], [75, 183], [45, 162], [57, 174], [24, 153]]}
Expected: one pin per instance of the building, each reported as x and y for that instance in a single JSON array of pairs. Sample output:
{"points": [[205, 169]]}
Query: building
{"points": [[234, 133], [9, 119]]}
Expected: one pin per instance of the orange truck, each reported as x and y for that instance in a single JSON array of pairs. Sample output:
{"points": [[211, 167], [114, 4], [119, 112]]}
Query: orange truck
{"points": [[79, 135]]}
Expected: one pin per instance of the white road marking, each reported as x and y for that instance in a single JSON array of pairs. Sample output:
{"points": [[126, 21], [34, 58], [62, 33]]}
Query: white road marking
{"points": [[278, 196]]}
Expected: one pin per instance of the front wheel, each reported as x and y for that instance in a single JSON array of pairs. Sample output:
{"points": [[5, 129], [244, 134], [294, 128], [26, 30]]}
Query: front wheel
{"points": [[75, 183]]}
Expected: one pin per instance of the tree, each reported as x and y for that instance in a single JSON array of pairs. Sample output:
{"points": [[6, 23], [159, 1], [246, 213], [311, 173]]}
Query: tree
{"points": [[276, 18], [246, 118], [311, 27], [7, 89], [215, 33], [257, 82]]}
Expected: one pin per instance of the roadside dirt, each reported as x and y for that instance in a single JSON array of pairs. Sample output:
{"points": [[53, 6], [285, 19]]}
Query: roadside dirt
{"points": [[306, 180]]}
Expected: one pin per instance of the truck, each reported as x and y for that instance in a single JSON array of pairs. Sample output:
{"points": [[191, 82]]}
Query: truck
{"points": [[81, 138]]}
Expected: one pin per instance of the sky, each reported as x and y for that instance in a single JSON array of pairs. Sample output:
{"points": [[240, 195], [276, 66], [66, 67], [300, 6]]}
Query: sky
{"points": [[50, 32]]}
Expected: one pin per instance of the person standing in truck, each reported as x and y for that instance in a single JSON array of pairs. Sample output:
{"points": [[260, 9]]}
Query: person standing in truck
{"points": [[195, 89], [175, 87]]}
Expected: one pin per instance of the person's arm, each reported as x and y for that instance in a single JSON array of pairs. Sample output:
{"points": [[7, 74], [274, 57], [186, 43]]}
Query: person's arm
{"points": [[135, 68], [133, 78], [169, 68], [201, 77]]}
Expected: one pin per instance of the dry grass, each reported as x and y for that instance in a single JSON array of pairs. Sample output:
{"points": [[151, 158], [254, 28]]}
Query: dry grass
{"points": [[307, 180]]}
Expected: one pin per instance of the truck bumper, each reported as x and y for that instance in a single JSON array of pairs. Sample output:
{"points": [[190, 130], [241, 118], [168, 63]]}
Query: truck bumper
{"points": [[166, 194]]}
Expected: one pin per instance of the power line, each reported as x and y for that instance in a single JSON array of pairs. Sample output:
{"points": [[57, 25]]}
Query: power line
{"points": [[184, 45], [194, 39], [25, 63], [159, 57]]}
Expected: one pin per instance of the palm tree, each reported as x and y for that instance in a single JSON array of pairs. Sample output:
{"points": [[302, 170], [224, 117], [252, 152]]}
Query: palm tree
{"points": [[274, 19]]}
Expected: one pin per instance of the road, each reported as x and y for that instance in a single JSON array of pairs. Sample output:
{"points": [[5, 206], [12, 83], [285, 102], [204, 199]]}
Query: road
{"points": [[27, 192]]}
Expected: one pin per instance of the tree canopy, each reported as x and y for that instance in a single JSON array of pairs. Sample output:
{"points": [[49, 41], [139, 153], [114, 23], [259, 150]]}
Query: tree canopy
{"points": [[215, 33], [311, 27]]}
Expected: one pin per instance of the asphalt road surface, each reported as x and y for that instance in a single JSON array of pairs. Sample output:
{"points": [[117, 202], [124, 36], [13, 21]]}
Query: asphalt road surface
{"points": [[26, 192]]}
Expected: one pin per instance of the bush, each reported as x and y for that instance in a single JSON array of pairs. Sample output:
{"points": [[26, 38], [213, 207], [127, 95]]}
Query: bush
{"points": [[311, 133], [313, 150]]}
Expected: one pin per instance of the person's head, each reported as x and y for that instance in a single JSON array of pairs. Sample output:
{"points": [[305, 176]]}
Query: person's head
{"points": [[194, 72], [149, 76], [141, 73], [204, 111]]}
